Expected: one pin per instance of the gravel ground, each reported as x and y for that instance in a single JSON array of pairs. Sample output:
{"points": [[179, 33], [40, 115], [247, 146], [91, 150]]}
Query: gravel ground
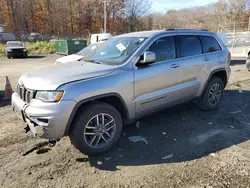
{"points": [[186, 147], [13, 68]]}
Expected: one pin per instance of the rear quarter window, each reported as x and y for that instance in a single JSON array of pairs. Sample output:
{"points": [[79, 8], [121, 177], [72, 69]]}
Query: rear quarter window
{"points": [[209, 44]]}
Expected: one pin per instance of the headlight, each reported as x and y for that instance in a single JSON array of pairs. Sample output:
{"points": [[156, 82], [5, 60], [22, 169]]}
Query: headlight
{"points": [[49, 96], [9, 50], [24, 49]]}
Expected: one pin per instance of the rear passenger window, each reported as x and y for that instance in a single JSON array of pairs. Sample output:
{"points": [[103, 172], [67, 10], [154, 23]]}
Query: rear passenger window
{"points": [[209, 44], [189, 45], [164, 49]]}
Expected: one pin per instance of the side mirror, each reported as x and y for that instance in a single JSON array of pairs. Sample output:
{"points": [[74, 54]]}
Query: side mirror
{"points": [[147, 58]]}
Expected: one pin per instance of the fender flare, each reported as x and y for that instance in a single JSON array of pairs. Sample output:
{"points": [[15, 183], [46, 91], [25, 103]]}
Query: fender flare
{"points": [[210, 76], [92, 99], [215, 71]]}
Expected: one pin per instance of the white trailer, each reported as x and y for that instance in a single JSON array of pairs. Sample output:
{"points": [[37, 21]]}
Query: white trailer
{"points": [[240, 51]]}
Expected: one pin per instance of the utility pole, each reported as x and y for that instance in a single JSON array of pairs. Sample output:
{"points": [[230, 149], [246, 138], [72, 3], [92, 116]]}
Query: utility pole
{"points": [[1, 18], [249, 23], [1, 13], [105, 16], [234, 34]]}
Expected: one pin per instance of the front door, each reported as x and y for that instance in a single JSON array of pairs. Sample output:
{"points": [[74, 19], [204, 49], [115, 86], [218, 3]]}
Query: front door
{"points": [[157, 84]]}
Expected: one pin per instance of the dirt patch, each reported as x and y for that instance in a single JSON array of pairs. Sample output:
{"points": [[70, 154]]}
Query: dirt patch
{"points": [[207, 149]]}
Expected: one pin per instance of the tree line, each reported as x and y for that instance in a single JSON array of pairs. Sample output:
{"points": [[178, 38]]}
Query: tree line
{"points": [[73, 16], [81, 17], [223, 15]]}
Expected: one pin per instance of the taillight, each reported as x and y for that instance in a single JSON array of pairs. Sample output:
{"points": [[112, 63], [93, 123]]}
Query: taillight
{"points": [[229, 55]]}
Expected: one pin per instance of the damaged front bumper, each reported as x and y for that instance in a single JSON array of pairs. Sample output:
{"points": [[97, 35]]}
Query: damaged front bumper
{"points": [[43, 119]]}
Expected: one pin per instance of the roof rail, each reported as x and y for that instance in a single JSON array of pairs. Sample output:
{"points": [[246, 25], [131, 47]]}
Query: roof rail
{"points": [[184, 29]]}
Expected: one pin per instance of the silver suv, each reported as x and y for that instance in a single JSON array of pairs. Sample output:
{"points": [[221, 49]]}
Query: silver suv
{"points": [[126, 78]]}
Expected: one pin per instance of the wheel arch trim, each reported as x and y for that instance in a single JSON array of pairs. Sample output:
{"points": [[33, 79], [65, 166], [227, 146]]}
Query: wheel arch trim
{"points": [[92, 99], [210, 76]]}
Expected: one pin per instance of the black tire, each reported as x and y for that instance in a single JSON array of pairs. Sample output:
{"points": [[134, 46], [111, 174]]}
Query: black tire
{"points": [[8, 55], [78, 130], [25, 55], [204, 102]]}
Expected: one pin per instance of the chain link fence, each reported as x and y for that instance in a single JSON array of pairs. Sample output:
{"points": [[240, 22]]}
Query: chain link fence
{"points": [[238, 34], [37, 43], [34, 37]]}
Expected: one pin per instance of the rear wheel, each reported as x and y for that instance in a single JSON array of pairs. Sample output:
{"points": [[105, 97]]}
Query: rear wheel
{"points": [[212, 94], [97, 129]]}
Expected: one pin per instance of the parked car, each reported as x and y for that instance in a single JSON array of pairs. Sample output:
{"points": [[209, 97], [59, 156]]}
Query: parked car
{"points": [[15, 49], [130, 76], [36, 37], [80, 55]]}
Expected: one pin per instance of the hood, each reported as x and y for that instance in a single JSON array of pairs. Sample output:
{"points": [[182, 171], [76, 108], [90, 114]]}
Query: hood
{"points": [[69, 58], [17, 47], [51, 77]]}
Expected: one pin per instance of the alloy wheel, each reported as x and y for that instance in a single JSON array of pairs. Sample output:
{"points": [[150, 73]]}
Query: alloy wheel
{"points": [[215, 94], [100, 130]]}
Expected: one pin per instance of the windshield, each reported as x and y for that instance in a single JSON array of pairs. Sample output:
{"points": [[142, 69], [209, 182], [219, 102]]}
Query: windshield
{"points": [[85, 51], [116, 50]]}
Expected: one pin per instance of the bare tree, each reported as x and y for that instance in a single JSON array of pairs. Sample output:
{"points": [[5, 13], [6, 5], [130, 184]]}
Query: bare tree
{"points": [[237, 8], [134, 10]]}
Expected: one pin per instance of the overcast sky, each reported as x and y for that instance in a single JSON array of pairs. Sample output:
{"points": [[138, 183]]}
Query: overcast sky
{"points": [[164, 5]]}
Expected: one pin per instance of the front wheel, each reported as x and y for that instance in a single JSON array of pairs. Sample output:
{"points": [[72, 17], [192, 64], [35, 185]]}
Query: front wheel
{"points": [[97, 129], [8, 55], [212, 94], [25, 55]]}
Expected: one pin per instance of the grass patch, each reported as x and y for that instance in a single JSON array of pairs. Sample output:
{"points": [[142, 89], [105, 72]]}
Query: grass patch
{"points": [[35, 48], [41, 48], [2, 50]]}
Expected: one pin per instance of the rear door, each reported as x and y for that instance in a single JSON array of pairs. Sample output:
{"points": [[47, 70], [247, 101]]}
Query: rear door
{"points": [[190, 52]]}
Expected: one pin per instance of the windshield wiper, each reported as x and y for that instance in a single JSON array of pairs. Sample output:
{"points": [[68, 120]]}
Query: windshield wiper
{"points": [[92, 61]]}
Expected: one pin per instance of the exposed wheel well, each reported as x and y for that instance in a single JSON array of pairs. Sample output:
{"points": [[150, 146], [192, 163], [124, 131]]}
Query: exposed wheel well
{"points": [[112, 100], [222, 75]]}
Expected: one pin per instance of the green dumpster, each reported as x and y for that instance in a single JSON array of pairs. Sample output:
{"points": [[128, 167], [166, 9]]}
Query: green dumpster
{"points": [[67, 47]]}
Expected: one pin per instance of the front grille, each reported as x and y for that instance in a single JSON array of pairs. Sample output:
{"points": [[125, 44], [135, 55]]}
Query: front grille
{"points": [[17, 51], [25, 94]]}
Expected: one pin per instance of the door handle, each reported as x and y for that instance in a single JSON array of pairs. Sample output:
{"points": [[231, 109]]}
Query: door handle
{"points": [[174, 66], [206, 59]]}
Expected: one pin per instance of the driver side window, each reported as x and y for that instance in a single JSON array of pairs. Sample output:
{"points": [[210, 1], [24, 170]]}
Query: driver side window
{"points": [[164, 49]]}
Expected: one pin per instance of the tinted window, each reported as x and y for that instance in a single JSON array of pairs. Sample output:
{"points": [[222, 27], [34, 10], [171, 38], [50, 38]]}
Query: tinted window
{"points": [[164, 49], [189, 45], [209, 44]]}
